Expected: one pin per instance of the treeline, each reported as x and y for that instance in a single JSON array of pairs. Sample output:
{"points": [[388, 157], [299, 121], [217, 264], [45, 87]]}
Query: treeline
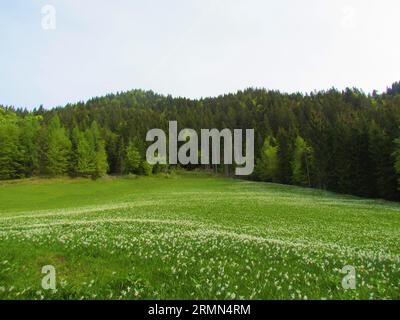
{"points": [[344, 141], [30, 147]]}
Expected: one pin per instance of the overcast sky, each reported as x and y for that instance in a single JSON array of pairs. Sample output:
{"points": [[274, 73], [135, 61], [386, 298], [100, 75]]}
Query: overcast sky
{"points": [[194, 48]]}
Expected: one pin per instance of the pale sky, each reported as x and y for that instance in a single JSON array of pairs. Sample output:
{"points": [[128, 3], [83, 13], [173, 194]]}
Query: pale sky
{"points": [[194, 48]]}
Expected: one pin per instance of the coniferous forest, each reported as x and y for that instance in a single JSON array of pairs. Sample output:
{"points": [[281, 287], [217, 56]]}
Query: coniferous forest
{"points": [[343, 141]]}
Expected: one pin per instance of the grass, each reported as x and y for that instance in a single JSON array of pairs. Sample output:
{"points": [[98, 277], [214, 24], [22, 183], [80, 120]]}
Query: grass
{"points": [[193, 236]]}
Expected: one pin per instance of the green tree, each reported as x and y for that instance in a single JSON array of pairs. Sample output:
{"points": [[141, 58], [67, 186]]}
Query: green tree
{"points": [[396, 156], [284, 141], [28, 140], [98, 144], [85, 154], [268, 164], [9, 145], [89, 156], [146, 168], [133, 159], [301, 163], [58, 151]]}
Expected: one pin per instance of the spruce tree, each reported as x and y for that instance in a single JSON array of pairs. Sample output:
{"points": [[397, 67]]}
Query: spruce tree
{"points": [[396, 156], [268, 164], [285, 156], [98, 144], [10, 155], [85, 155], [28, 140], [58, 151]]}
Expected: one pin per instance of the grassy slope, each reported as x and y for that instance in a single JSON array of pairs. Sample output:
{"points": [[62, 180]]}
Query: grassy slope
{"points": [[194, 236]]}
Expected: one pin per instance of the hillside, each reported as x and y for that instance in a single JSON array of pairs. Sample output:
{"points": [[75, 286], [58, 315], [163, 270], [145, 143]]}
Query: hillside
{"points": [[342, 141]]}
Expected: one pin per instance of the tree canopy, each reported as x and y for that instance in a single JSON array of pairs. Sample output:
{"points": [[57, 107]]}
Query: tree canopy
{"points": [[344, 141]]}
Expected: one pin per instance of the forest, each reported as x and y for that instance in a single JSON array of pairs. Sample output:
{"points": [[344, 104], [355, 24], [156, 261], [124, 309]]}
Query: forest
{"points": [[343, 141]]}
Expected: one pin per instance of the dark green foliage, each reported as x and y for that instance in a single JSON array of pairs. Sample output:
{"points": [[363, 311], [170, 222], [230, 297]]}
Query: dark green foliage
{"points": [[10, 154], [29, 134], [285, 143], [348, 136], [89, 154]]}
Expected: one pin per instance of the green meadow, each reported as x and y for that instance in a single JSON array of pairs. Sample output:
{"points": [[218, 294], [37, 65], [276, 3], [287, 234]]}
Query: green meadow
{"points": [[193, 236]]}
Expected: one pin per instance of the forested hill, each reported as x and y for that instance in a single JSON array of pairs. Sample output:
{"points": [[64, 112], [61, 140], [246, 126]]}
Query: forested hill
{"points": [[340, 141]]}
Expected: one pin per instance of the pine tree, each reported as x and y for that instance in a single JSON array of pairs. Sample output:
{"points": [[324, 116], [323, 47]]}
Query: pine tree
{"points": [[29, 129], [85, 154], [75, 137], [384, 168], [58, 149], [101, 164], [285, 156], [301, 163], [268, 164], [396, 155], [10, 155]]}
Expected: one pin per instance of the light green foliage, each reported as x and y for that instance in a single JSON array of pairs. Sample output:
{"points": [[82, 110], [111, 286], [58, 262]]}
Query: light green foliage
{"points": [[268, 165], [301, 163], [133, 158], [58, 151], [161, 168], [146, 168], [89, 153], [85, 155], [101, 161], [216, 238]]}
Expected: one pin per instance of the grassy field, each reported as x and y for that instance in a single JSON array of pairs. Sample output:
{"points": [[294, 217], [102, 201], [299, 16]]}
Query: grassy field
{"points": [[193, 236]]}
